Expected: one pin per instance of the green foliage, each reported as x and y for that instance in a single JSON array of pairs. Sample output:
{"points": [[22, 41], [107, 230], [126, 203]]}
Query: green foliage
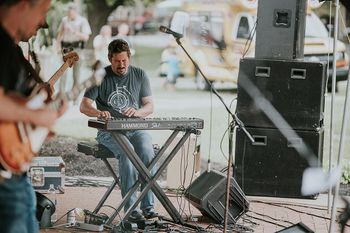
{"points": [[345, 178]]}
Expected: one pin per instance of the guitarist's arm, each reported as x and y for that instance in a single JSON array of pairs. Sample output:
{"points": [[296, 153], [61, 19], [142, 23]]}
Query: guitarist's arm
{"points": [[14, 111]]}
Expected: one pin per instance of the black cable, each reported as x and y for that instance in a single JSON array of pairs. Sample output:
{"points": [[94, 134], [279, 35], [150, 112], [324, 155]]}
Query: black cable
{"points": [[221, 143], [222, 138], [272, 218], [298, 211], [263, 220], [250, 221], [109, 207], [299, 205], [120, 218], [250, 39], [62, 216]]}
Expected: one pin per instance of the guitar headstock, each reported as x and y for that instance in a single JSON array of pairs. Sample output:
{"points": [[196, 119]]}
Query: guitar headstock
{"points": [[71, 58]]}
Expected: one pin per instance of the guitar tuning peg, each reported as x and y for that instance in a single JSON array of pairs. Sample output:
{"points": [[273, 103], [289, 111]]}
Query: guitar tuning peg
{"points": [[67, 50]]}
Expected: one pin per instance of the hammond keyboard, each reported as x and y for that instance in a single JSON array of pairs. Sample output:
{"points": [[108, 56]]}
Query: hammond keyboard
{"points": [[164, 123]]}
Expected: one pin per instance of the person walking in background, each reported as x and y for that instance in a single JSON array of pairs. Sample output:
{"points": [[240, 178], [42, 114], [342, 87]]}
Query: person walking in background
{"points": [[73, 32], [100, 44], [170, 62], [19, 20]]}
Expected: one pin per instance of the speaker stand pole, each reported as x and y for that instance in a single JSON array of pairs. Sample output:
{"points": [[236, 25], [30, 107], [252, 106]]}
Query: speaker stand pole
{"points": [[229, 173]]}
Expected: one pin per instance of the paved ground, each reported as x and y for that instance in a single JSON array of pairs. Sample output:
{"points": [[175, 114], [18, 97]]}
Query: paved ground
{"points": [[265, 214]]}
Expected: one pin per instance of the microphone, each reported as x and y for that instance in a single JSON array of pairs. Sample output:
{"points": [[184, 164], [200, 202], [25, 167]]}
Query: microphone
{"points": [[169, 31]]}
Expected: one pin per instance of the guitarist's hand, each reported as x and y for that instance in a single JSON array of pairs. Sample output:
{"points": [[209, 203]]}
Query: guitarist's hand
{"points": [[63, 107], [49, 90], [45, 117]]}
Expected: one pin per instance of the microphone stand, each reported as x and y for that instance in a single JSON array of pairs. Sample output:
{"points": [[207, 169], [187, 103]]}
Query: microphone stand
{"points": [[235, 121]]}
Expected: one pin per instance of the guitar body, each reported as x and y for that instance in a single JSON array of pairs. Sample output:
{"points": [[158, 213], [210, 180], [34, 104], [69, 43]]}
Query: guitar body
{"points": [[20, 142], [15, 151]]}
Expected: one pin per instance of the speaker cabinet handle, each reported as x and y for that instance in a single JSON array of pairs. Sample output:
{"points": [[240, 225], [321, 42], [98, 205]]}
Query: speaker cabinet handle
{"points": [[282, 18], [259, 140], [298, 73], [294, 142], [262, 71]]}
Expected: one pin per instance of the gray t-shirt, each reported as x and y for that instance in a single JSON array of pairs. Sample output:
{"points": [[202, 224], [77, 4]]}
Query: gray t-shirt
{"points": [[116, 93]]}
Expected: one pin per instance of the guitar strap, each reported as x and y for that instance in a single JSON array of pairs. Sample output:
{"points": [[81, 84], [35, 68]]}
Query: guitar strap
{"points": [[32, 74]]}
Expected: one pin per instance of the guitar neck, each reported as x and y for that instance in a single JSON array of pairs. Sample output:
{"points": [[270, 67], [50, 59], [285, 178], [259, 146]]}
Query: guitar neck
{"points": [[74, 93], [58, 74], [95, 79]]}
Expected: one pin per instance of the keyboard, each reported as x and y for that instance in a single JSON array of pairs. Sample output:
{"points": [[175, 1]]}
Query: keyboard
{"points": [[164, 123]]}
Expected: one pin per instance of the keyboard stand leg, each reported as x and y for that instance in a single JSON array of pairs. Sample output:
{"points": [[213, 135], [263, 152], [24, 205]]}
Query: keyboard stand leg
{"points": [[138, 182], [147, 177], [110, 189]]}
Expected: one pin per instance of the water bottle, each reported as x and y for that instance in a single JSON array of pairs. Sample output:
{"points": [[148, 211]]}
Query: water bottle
{"points": [[71, 217], [52, 194]]}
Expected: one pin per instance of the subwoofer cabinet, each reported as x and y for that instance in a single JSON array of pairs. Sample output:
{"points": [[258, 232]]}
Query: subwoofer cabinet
{"points": [[294, 88], [280, 31], [271, 166]]}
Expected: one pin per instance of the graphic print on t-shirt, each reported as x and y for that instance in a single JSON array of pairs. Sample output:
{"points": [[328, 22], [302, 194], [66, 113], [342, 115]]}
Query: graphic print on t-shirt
{"points": [[121, 99]]}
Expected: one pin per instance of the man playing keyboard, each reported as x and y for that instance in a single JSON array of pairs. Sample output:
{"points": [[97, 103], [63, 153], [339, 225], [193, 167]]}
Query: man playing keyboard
{"points": [[125, 92]]}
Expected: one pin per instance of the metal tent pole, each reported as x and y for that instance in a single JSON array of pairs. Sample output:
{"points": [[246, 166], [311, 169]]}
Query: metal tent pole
{"points": [[331, 134], [344, 124]]}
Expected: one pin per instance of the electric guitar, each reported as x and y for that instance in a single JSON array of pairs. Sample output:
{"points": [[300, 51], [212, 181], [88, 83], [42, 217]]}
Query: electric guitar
{"points": [[20, 142], [69, 60]]}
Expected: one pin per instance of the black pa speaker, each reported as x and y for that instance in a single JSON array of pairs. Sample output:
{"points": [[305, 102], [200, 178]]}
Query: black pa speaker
{"points": [[271, 165], [280, 32], [294, 88], [208, 194]]}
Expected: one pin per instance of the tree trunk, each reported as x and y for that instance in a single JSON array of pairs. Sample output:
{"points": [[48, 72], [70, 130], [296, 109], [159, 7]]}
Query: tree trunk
{"points": [[98, 12]]}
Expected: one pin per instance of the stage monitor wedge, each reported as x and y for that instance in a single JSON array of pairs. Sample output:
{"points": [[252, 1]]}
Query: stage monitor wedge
{"points": [[280, 32], [208, 194]]}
